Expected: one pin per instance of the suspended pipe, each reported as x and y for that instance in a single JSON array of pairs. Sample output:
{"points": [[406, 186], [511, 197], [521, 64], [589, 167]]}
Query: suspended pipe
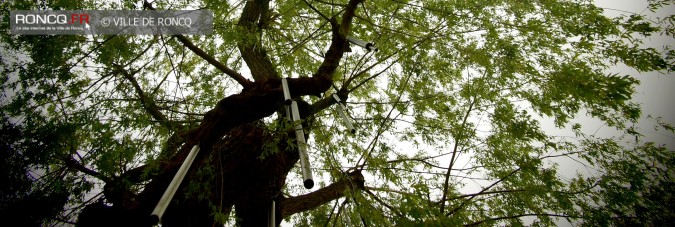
{"points": [[342, 111], [368, 46], [173, 186], [302, 147], [287, 92], [272, 216]]}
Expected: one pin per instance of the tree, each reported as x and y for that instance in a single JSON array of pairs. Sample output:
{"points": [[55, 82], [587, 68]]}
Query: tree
{"points": [[27, 200], [451, 79]]}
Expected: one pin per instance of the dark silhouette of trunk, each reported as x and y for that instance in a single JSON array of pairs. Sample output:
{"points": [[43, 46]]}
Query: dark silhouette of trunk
{"points": [[241, 165]]}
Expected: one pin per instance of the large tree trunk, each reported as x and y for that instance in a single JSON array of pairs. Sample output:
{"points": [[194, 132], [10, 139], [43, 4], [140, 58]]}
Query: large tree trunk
{"points": [[240, 164], [237, 175], [234, 175]]}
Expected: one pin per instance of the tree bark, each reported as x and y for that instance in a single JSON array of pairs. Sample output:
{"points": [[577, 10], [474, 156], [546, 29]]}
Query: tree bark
{"points": [[241, 165]]}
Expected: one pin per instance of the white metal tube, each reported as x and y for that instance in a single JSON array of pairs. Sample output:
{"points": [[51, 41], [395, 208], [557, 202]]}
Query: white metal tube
{"points": [[356, 41], [368, 46], [371, 47], [272, 217], [288, 113], [287, 92], [173, 186], [343, 115], [302, 147], [346, 120], [337, 98]]}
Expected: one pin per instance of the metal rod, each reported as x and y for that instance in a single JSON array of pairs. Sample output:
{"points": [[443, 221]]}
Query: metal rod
{"points": [[368, 46], [287, 92], [272, 217], [343, 115], [302, 147], [173, 186]]}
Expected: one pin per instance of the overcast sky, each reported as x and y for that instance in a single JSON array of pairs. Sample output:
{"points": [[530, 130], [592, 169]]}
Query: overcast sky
{"points": [[656, 91]]}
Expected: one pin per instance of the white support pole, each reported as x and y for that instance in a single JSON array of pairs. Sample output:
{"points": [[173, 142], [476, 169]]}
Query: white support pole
{"points": [[343, 115], [368, 46], [173, 186], [287, 92], [272, 216], [302, 147], [288, 113]]}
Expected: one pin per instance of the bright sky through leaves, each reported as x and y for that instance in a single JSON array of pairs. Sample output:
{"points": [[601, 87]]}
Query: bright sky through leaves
{"points": [[472, 112]]}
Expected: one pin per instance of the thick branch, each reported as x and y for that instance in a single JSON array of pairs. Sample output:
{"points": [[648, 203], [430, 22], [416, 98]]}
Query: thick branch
{"points": [[252, 50], [73, 164], [338, 42], [293, 205], [348, 16]]}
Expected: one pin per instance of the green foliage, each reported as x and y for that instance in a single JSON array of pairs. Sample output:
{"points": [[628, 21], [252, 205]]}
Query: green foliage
{"points": [[636, 188], [26, 155], [450, 112]]}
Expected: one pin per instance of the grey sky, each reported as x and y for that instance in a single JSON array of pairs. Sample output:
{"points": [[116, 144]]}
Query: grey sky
{"points": [[656, 90]]}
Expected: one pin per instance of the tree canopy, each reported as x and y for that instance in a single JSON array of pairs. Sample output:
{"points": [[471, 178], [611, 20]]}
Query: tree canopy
{"points": [[448, 115]]}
